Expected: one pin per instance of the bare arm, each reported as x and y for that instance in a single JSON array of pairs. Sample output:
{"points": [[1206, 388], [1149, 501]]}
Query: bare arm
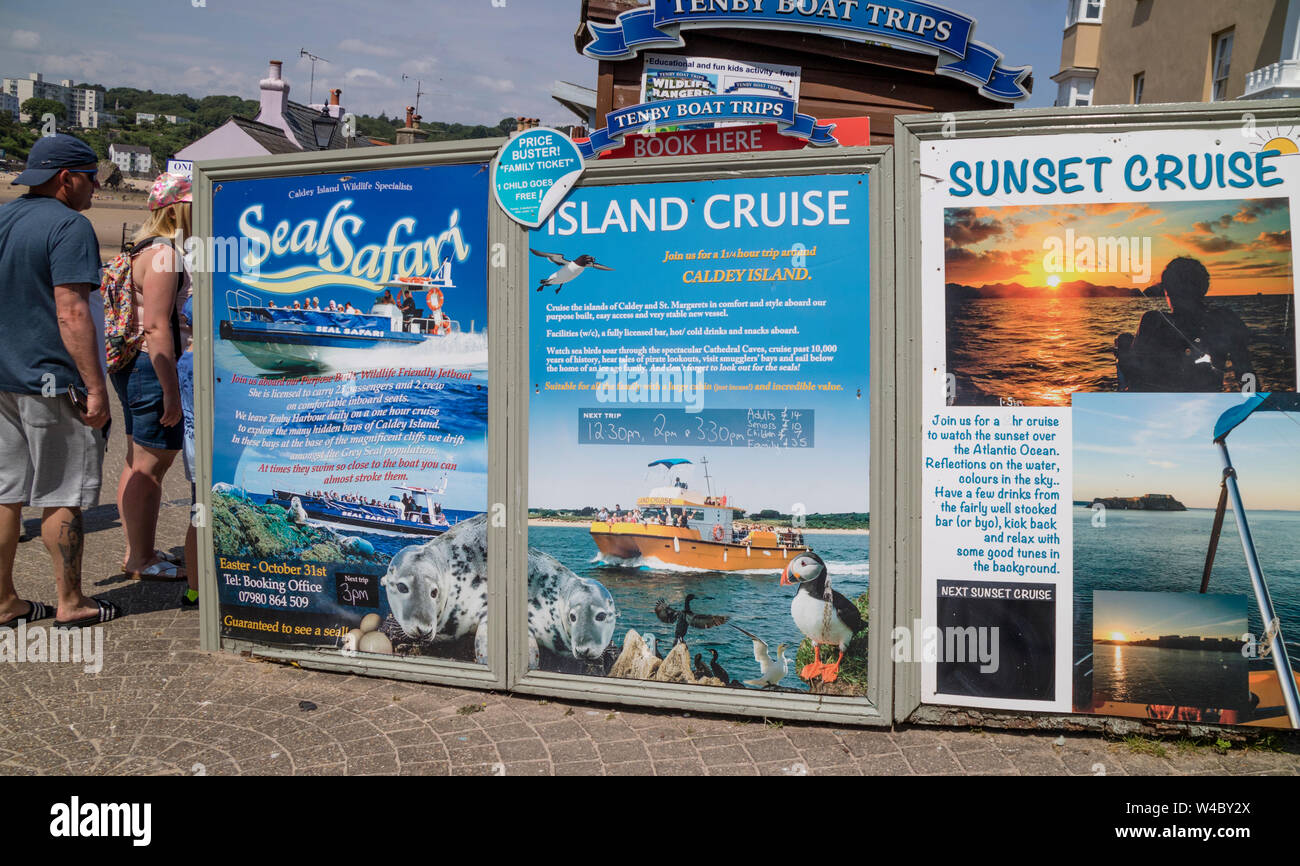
{"points": [[158, 285], [77, 328]]}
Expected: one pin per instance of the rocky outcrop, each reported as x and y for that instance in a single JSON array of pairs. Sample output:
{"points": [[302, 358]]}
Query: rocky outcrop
{"points": [[636, 662]]}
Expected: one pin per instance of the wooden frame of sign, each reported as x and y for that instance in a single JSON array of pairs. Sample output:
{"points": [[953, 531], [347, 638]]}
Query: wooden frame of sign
{"points": [[875, 708]]}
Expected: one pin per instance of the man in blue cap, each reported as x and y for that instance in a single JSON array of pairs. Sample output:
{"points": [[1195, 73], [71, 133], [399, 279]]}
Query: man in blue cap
{"points": [[53, 396]]}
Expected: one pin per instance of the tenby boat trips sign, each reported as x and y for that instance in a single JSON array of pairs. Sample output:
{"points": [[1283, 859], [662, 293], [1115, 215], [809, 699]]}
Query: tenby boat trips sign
{"points": [[907, 24]]}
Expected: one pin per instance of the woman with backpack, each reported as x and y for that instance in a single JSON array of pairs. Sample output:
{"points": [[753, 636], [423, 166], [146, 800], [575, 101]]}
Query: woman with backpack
{"points": [[143, 351]]}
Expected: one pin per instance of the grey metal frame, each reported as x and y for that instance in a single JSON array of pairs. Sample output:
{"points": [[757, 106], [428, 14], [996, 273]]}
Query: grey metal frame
{"points": [[910, 132], [875, 709], [211, 172]]}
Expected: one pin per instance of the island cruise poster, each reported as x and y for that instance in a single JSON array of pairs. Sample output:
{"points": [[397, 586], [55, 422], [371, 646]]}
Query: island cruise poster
{"points": [[350, 396], [1093, 305], [698, 433]]}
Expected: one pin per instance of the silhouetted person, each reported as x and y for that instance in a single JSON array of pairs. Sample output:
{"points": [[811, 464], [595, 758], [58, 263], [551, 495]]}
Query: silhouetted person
{"points": [[1190, 347]]}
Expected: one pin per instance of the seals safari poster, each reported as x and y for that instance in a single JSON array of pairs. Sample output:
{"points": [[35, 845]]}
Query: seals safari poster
{"points": [[698, 434], [350, 393]]}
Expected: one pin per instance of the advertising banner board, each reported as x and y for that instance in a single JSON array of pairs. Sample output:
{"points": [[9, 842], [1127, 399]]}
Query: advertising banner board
{"points": [[347, 470], [1091, 306], [699, 396]]}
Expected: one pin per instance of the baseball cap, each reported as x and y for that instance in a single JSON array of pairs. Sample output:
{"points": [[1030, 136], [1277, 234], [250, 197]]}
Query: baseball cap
{"points": [[51, 153], [170, 189]]}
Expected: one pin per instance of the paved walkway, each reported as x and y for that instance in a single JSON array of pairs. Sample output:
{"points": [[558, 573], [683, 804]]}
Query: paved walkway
{"points": [[161, 706]]}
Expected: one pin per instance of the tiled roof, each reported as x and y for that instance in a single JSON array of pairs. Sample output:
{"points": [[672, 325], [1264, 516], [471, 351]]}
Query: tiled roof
{"points": [[300, 117], [269, 137], [129, 148]]}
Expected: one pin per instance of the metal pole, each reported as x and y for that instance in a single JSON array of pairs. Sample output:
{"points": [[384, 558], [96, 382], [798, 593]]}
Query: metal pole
{"points": [[1286, 681]]}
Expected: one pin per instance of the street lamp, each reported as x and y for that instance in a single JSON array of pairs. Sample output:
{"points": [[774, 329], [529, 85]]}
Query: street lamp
{"points": [[322, 128]]}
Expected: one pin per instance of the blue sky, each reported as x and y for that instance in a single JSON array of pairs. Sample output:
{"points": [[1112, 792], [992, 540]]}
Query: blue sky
{"points": [[479, 62], [1132, 444], [1142, 615]]}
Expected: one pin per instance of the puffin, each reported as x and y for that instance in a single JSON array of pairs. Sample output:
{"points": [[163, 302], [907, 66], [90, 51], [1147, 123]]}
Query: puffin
{"points": [[569, 270], [685, 618], [771, 671], [717, 669], [822, 614]]}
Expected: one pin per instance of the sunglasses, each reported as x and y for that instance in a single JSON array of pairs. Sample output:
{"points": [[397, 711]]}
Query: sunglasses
{"points": [[93, 172]]}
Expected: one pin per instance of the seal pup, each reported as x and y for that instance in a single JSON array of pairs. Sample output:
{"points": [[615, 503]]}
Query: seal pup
{"points": [[567, 614], [438, 590]]}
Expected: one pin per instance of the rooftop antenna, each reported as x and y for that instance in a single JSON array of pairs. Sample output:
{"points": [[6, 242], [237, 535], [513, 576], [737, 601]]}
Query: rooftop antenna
{"points": [[311, 88], [418, 91]]}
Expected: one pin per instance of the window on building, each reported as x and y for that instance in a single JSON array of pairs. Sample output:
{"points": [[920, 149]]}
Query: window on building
{"points": [[1082, 93], [1139, 82], [1088, 11], [1222, 64]]}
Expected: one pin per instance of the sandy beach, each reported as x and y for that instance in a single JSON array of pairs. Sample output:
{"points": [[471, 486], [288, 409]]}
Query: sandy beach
{"points": [[549, 521], [107, 214]]}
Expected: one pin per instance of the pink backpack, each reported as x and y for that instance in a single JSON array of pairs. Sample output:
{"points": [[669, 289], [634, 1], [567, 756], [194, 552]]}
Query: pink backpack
{"points": [[122, 332]]}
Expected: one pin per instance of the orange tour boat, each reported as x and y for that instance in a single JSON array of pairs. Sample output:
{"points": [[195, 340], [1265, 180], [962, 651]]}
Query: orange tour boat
{"points": [[692, 529]]}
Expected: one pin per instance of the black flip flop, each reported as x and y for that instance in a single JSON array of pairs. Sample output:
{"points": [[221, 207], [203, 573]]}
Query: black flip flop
{"points": [[107, 611], [38, 611]]}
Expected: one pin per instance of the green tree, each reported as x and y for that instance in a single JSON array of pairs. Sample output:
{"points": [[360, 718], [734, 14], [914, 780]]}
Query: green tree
{"points": [[36, 107]]}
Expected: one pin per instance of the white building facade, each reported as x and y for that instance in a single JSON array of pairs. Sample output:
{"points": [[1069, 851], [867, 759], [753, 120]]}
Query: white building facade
{"points": [[84, 106], [131, 158]]}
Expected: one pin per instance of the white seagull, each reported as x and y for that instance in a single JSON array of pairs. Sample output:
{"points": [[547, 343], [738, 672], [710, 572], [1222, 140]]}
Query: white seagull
{"points": [[772, 670], [569, 270]]}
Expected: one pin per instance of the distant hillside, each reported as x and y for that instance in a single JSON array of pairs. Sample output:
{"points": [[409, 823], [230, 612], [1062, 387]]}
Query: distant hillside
{"points": [[1076, 289]]}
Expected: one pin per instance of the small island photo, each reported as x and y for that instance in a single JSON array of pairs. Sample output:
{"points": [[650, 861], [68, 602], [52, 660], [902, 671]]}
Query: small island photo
{"points": [[1146, 486], [1046, 301]]}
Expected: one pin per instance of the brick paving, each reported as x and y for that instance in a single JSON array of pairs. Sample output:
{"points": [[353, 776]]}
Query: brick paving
{"points": [[161, 706]]}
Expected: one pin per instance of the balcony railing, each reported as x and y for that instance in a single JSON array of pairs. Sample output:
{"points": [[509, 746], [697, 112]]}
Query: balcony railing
{"points": [[1283, 75]]}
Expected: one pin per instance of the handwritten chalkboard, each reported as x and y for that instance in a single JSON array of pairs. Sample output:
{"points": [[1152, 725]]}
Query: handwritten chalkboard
{"points": [[727, 428], [357, 590]]}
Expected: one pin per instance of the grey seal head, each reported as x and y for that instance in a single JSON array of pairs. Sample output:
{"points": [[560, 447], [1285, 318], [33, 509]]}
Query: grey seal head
{"points": [[567, 614], [438, 590]]}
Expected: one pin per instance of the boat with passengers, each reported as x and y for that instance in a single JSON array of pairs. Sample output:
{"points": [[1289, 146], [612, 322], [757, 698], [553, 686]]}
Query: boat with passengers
{"points": [[681, 526]]}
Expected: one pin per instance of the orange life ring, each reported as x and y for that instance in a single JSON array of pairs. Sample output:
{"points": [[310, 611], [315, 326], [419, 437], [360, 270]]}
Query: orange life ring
{"points": [[717, 533], [429, 299]]}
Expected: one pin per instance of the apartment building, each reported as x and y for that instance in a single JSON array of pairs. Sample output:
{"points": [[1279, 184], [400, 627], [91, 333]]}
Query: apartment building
{"points": [[1126, 52]]}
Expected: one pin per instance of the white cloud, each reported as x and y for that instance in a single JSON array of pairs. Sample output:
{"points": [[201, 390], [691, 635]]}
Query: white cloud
{"points": [[24, 40], [496, 85], [367, 78], [422, 66], [358, 46]]}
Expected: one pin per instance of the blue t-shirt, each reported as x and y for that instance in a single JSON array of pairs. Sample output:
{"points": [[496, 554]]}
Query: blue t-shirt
{"points": [[43, 244]]}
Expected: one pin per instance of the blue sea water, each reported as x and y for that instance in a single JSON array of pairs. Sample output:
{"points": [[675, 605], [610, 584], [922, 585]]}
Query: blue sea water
{"points": [[1164, 551], [754, 601]]}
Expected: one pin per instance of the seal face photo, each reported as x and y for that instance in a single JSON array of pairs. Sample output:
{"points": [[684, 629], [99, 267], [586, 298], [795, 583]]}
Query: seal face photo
{"points": [[567, 614], [438, 590]]}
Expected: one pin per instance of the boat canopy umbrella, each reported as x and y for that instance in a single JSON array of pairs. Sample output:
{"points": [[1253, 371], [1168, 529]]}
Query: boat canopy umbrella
{"points": [[669, 462], [1275, 402], [1271, 641]]}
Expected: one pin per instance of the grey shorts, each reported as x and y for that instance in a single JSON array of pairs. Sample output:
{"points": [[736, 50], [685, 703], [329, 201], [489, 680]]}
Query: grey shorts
{"points": [[48, 458]]}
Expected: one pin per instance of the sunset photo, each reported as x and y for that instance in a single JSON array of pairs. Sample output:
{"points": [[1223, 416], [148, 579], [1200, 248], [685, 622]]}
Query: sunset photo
{"points": [[1044, 301], [1170, 650]]}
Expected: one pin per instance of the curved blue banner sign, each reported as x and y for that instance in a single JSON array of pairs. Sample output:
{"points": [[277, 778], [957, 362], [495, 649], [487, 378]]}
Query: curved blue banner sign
{"points": [[709, 109], [905, 23]]}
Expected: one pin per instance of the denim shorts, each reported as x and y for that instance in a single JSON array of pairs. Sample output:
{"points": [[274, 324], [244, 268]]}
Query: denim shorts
{"points": [[142, 407]]}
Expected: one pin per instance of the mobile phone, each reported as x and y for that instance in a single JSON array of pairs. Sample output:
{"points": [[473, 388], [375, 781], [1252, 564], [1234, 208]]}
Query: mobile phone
{"points": [[79, 402]]}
